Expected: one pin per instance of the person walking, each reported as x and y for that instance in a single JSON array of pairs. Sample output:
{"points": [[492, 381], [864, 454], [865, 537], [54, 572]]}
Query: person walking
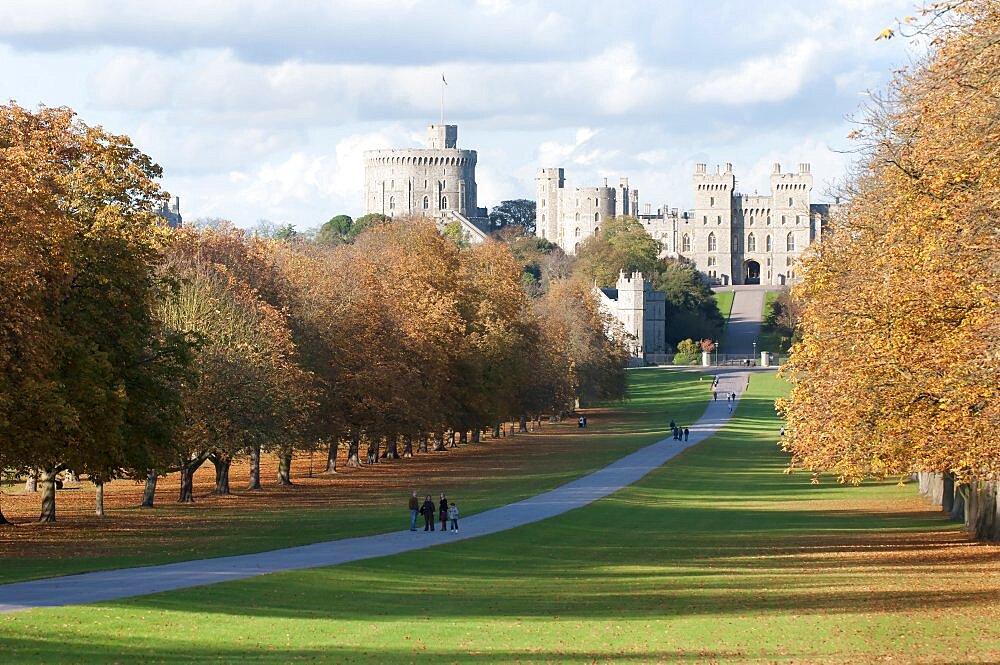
{"points": [[414, 511], [715, 395], [453, 516], [443, 512], [685, 433], [427, 510]]}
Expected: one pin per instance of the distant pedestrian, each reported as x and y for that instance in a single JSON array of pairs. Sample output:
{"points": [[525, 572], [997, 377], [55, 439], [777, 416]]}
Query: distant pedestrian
{"points": [[685, 433], [427, 510], [715, 395], [585, 422], [781, 432], [673, 425], [414, 511], [580, 422], [734, 396], [453, 516], [443, 512]]}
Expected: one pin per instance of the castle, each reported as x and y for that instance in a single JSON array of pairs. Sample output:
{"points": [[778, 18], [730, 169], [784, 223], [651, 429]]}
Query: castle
{"points": [[732, 238], [567, 216], [438, 181], [640, 311]]}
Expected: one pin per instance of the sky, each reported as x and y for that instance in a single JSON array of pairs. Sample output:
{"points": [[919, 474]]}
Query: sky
{"points": [[262, 109]]}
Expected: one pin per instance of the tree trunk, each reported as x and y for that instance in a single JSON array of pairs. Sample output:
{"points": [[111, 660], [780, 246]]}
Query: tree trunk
{"points": [[149, 493], [408, 446], [958, 510], [47, 485], [254, 483], [392, 447], [99, 498], [222, 464], [982, 515], [523, 425], [285, 468], [439, 442], [31, 484], [353, 458], [186, 494], [331, 455], [948, 493], [475, 434]]}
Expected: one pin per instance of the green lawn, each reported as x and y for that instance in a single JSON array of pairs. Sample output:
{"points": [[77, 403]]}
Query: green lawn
{"points": [[176, 534], [769, 339], [724, 300], [716, 557]]}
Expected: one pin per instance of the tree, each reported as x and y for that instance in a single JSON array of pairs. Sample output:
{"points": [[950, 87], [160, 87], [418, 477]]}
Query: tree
{"points": [[335, 231], [516, 212], [899, 313], [691, 311], [621, 244], [100, 388]]}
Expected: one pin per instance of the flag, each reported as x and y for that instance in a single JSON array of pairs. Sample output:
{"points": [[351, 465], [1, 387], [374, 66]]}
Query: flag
{"points": [[442, 80]]}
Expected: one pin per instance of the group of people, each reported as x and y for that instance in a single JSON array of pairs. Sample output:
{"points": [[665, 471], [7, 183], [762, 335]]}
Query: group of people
{"points": [[679, 433], [445, 510]]}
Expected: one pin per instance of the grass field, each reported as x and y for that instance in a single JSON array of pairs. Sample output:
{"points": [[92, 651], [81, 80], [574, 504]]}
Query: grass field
{"points": [[769, 339], [355, 502], [724, 300], [716, 557]]}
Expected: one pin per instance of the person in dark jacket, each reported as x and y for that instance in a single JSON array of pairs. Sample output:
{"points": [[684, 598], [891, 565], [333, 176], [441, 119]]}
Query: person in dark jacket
{"points": [[427, 510], [685, 433], [443, 513], [414, 511]]}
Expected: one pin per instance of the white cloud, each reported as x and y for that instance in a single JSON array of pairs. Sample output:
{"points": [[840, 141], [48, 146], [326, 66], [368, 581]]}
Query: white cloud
{"points": [[762, 79]]}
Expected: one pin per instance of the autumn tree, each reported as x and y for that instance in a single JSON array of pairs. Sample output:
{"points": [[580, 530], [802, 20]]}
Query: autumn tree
{"points": [[97, 391], [899, 313], [621, 244]]}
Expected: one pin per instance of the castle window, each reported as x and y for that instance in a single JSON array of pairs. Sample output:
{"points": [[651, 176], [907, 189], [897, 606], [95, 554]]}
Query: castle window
{"points": [[392, 203], [790, 242], [543, 216], [578, 217], [788, 261], [782, 219], [425, 184], [578, 203], [789, 201], [686, 243], [711, 260], [796, 220], [711, 243], [597, 216], [597, 229], [718, 220], [427, 202], [576, 234], [711, 201], [444, 203], [704, 219], [543, 203], [769, 220], [768, 245], [751, 243], [751, 220]]}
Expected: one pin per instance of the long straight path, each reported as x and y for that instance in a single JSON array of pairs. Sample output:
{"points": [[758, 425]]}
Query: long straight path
{"points": [[745, 320], [124, 583]]}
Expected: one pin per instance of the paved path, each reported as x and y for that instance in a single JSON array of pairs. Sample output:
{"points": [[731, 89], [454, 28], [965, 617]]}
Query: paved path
{"points": [[113, 584], [744, 320]]}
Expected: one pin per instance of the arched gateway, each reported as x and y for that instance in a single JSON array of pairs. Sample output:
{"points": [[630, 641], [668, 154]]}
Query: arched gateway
{"points": [[751, 272]]}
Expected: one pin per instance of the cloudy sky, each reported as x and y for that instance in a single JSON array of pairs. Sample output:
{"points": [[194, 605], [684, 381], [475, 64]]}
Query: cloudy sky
{"points": [[261, 109]]}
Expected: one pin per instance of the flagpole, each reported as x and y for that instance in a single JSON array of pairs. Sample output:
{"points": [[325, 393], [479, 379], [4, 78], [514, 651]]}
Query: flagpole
{"points": [[443, 84]]}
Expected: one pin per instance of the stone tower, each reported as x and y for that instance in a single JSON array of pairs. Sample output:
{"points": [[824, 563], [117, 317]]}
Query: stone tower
{"points": [[549, 183], [631, 307], [435, 181], [706, 237]]}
